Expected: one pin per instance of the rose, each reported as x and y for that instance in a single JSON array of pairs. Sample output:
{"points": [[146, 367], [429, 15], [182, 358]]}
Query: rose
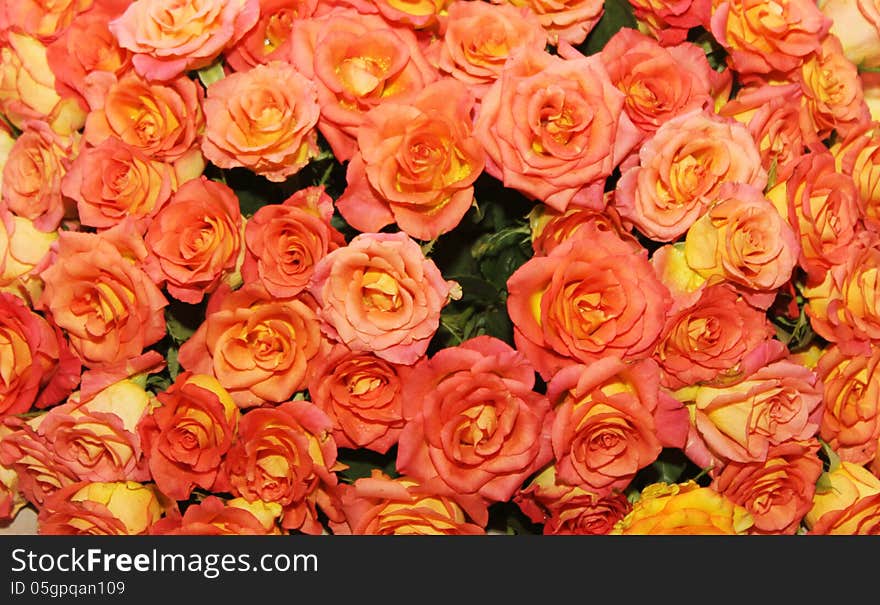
{"points": [[39, 472], [833, 99], [857, 155], [851, 404], [847, 502], [478, 39], [743, 239], [285, 241], [683, 509], [269, 39], [569, 510], [380, 505], [94, 290], [670, 22], [11, 498], [169, 37], [417, 15], [772, 114], [357, 62], [285, 454], [681, 171], [32, 175], [554, 128], [36, 364], [778, 492], [381, 294], [362, 396], [86, 59], [416, 164], [260, 349], [711, 339], [101, 508], [739, 422], [23, 248], [843, 308], [47, 20], [568, 21], [474, 425], [764, 37], [658, 82], [163, 120], [262, 119], [214, 516], [113, 180], [824, 207], [550, 228], [856, 23], [186, 437], [581, 303], [608, 423], [195, 240], [27, 87]]}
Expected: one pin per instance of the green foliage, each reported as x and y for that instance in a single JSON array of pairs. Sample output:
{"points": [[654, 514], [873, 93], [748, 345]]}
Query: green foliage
{"points": [[618, 14]]}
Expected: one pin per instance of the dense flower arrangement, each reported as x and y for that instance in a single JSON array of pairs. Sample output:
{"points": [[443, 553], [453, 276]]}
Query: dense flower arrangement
{"points": [[440, 266]]}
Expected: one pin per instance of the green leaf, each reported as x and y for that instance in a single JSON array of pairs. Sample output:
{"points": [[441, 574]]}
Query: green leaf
{"points": [[475, 289], [669, 472], [173, 363], [212, 73], [177, 329], [361, 463], [618, 14]]}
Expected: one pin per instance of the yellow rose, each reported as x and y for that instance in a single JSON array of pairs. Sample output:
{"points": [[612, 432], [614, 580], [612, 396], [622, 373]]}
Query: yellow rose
{"points": [[847, 502], [112, 508]]}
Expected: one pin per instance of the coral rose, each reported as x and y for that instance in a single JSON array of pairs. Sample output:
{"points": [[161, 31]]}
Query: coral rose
{"points": [[169, 37], [121, 508], [262, 119], [567, 21], [11, 498], [381, 294], [214, 516], [186, 437], [474, 424], [670, 20], [858, 155], [269, 39], [550, 228]]}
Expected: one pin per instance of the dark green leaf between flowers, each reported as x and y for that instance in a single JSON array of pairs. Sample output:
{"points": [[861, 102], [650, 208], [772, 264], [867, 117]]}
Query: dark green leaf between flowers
{"points": [[618, 14]]}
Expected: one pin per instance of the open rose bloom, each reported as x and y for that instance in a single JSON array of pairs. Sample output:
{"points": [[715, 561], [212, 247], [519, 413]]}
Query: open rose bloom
{"points": [[458, 267]]}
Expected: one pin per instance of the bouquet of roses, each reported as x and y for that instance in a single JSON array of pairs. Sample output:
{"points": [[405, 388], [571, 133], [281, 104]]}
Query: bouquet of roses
{"points": [[440, 266]]}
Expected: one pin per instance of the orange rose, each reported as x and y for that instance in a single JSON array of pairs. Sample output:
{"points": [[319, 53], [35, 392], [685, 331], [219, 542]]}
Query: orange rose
{"points": [[550, 228], [858, 155], [379, 506], [778, 491], [569, 21], [844, 308], [609, 422], [474, 424], [357, 61], [186, 437], [362, 396], [825, 209], [259, 348], [165, 121], [416, 164], [415, 14], [847, 503], [773, 116], [269, 39], [570, 510], [27, 87], [581, 303], [47, 20], [857, 24], [712, 339], [169, 37], [95, 291], [833, 98], [285, 241], [262, 119], [285, 455], [659, 82], [381, 294], [113, 180], [11, 498], [743, 239], [683, 509], [851, 409], [479, 37], [681, 170], [763, 37], [37, 367], [32, 175], [739, 422], [670, 20], [213, 516], [554, 128], [23, 248], [195, 240], [102, 508]]}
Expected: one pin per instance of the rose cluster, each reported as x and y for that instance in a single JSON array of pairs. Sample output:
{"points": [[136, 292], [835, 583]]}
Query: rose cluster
{"points": [[243, 287]]}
